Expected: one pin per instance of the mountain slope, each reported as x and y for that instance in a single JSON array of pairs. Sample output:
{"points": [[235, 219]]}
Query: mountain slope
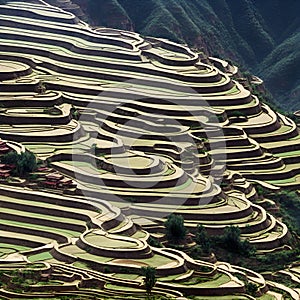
{"points": [[128, 130], [246, 31], [280, 69]]}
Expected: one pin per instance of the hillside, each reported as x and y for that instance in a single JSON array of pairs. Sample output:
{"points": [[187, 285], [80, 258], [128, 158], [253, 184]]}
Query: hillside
{"points": [[106, 136], [280, 70], [249, 32]]}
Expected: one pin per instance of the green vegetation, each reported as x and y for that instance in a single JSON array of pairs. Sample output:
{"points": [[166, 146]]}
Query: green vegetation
{"points": [[20, 279], [262, 35], [213, 282], [97, 244], [231, 297], [289, 203], [175, 229], [251, 289], [25, 162], [149, 278], [75, 113], [54, 111], [154, 242], [282, 259], [40, 257], [202, 239], [279, 69], [289, 208], [106, 11], [286, 280], [238, 114], [231, 240]]}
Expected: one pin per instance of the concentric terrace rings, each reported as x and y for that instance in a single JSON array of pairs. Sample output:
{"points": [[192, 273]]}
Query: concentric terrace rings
{"points": [[166, 138]]}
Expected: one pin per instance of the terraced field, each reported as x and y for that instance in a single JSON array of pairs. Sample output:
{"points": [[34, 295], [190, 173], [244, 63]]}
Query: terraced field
{"points": [[129, 130]]}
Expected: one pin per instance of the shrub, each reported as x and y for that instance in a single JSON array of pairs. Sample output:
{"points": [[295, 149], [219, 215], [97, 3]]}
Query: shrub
{"points": [[149, 274], [175, 229], [203, 240], [289, 202], [238, 113], [154, 242], [231, 240], [196, 252], [106, 269], [24, 162], [251, 289]]}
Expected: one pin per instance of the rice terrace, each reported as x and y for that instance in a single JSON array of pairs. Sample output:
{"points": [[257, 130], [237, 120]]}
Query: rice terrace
{"points": [[109, 140]]}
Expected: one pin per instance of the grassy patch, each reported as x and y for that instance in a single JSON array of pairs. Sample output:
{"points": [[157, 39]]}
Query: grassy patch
{"points": [[266, 297], [212, 282], [127, 276], [157, 260], [40, 257]]}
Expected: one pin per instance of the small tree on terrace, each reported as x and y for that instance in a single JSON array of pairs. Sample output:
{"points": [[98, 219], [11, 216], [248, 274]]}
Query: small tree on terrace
{"points": [[149, 278], [24, 162], [231, 240], [175, 229], [203, 240]]}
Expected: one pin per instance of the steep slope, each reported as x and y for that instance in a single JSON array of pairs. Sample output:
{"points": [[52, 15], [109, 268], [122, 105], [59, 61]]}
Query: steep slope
{"points": [[245, 31], [280, 69], [132, 129], [175, 158]]}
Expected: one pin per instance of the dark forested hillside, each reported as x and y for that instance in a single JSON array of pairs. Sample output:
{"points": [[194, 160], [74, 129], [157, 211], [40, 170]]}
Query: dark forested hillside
{"points": [[262, 35]]}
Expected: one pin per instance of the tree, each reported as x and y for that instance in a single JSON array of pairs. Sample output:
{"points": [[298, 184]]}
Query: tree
{"points": [[41, 88], [289, 204], [149, 273], [231, 240], [202, 239], [25, 162], [251, 289], [196, 252], [231, 237], [154, 242], [75, 113], [175, 230]]}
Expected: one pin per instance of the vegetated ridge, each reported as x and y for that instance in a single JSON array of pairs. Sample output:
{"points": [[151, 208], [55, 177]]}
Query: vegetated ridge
{"points": [[112, 176], [261, 35]]}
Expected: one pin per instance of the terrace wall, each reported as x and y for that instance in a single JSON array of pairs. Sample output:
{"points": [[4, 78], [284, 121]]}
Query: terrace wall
{"points": [[74, 32], [137, 253], [32, 15], [30, 231], [20, 242], [197, 291], [47, 199]]}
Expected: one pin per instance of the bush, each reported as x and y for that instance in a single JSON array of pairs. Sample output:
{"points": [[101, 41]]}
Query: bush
{"points": [[175, 229], [24, 162], [154, 242], [289, 202], [282, 259], [203, 240], [261, 191], [251, 289], [196, 252], [231, 240], [149, 278], [237, 113]]}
